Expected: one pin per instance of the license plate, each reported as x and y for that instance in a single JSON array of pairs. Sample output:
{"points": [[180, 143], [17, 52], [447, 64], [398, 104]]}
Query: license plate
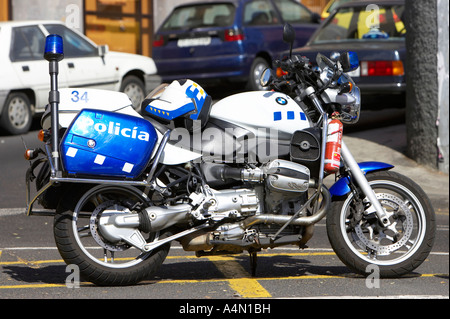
{"points": [[194, 42], [355, 73]]}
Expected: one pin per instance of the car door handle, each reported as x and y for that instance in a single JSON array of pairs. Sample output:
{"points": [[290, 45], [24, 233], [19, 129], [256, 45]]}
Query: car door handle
{"points": [[71, 65], [25, 68]]}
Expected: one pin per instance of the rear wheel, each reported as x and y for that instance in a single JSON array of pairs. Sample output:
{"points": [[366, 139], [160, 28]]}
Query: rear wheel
{"points": [[80, 240], [359, 240]]}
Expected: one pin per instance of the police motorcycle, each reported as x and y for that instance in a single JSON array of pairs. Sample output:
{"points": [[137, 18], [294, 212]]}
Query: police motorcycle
{"points": [[244, 174]]}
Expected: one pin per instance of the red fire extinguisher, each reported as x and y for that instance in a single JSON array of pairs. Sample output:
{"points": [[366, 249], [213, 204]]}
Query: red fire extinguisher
{"points": [[333, 146]]}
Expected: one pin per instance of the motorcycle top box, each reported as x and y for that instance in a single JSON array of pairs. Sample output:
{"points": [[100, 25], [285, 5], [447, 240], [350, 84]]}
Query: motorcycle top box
{"points": [[105, 143]]}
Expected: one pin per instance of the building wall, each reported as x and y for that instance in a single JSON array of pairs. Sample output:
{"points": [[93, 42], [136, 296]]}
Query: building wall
{"points": [[125, 25], [49, 10]]}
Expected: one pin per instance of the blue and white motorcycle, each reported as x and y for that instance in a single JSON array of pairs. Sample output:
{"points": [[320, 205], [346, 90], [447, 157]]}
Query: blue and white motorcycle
{"points": [[244, 174]]}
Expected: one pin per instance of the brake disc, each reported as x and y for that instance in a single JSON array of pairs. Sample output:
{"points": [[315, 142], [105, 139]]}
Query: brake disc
{"points": [[398, 233]]}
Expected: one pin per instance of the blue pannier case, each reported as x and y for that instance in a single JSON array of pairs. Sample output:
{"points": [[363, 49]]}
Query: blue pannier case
{"points": [[107, 144]]}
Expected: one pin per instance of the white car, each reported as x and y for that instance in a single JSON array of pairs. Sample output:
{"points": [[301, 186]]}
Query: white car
{"points": [[24, 74]]}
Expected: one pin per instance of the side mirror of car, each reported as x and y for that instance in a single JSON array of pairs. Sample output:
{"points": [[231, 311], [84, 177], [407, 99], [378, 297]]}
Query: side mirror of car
{"points": [[289, 35], [103, 50], [349, 61]]}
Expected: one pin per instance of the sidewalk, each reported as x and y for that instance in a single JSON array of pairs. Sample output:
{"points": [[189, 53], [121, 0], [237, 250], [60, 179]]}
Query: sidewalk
{"points": [[388, 144]]}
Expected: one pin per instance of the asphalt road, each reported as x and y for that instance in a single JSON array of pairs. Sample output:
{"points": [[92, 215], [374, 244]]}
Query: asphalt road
{"points": [[31, 267]]}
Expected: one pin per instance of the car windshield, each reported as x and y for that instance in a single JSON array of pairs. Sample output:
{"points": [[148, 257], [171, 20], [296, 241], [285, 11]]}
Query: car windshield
{"points": [[363, 23], [197, 16], [336, 4], [74, 45]]}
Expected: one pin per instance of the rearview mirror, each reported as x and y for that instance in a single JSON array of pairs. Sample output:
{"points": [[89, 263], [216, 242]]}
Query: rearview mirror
{"points": [[289, 35]]}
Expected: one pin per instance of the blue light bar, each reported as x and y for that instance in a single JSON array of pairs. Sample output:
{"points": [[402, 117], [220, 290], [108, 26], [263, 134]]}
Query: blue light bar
{"points": [[354, 60], [54, 48]]}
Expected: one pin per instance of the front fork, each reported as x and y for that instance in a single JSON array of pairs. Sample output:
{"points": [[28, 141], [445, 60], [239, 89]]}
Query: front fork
{"points": [[359, 177], [348, 158]]}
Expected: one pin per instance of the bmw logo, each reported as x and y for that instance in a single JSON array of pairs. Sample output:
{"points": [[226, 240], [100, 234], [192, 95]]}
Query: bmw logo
{"points": [[91, 143], [281, 100]]}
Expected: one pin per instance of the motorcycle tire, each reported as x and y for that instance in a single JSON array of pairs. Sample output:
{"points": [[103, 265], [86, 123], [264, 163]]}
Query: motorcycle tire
{"points": [[75, 240], [359, 240]]}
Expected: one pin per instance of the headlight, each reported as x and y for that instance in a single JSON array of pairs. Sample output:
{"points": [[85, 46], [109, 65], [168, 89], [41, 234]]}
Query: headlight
{"points": [[350, 113]]}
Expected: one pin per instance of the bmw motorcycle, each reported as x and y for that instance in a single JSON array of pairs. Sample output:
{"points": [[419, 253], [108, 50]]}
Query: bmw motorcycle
{"points": [[243, 174]]}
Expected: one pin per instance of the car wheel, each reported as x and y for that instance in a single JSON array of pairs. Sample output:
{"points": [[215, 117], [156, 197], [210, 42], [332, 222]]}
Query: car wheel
{"points": [[135, 89], [16, 117], [257, 68]]}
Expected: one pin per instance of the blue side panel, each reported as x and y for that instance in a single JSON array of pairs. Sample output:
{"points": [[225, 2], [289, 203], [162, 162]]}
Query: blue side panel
{"points": [[107, 144], [341, 188]]}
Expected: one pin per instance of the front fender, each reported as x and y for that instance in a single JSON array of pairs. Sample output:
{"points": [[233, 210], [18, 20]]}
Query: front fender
{"points": [[341, 188]]}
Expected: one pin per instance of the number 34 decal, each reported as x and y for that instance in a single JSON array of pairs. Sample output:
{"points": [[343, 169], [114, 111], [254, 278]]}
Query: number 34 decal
{"points": [[80, 97]]}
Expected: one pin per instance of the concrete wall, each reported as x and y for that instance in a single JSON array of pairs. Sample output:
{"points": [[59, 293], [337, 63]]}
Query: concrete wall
{"points": [[69, 11]]}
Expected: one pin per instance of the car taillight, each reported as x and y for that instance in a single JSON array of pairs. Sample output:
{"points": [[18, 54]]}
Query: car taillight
{"points": [[158, 41], [380, 68], [233, 35]]}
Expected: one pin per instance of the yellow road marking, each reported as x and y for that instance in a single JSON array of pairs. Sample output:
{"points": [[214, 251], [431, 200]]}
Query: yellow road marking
{"points": [[235, 275], [238, 278], [33, 286], [183, 281], [55, 261]]}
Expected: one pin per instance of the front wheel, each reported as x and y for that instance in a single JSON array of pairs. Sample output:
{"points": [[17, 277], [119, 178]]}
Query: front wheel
{"points": [[80, 241], [359, 240]]}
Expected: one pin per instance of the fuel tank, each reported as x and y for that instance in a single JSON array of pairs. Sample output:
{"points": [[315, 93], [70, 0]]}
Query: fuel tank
{"points": [[271, 118], [271, 113]]}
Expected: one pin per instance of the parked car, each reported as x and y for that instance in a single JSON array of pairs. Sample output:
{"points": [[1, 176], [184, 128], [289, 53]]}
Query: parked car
{"points": [[228, 39], [375, 30], [24, 79]]}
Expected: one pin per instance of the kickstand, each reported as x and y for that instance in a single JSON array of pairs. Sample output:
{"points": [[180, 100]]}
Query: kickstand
{"points": [[253, 262]]}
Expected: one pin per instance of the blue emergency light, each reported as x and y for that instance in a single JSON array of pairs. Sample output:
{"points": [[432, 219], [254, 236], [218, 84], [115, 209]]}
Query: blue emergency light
{"points": [[353, 59], [54, 50]]}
